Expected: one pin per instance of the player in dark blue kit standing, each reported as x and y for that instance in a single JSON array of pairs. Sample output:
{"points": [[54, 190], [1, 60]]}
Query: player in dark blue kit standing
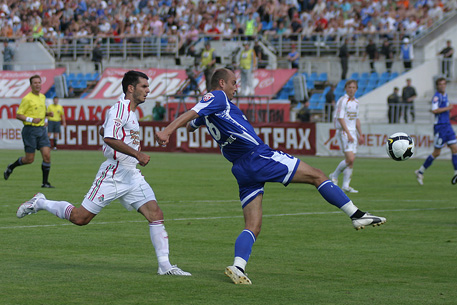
{"points": [[254, 163], [444, 134]]}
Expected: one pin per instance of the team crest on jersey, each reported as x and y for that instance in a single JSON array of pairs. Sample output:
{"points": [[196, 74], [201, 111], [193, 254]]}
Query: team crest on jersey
{"points": [[117, 122], [207, 97], [435, 99], [101, 198]]}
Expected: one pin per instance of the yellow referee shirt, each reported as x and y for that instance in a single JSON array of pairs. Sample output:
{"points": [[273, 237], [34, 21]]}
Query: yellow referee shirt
{"points": [[33, 106], [58, 112]]}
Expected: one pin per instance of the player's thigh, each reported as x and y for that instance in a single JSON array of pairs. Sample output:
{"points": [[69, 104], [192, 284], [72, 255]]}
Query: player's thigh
{"points": [[138, 193], [307, 174]]}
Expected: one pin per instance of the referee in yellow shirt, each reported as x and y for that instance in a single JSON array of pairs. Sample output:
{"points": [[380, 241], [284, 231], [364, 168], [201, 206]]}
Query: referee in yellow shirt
{"points": [[32, 111], [55, 121]]}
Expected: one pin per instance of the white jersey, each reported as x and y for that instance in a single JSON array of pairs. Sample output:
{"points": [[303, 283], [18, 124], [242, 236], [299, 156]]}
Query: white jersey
{"points": [[122, 124], [347, 109]]}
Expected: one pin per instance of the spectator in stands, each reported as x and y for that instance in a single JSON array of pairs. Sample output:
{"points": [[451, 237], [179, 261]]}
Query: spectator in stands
{"points": [[330, 103], [393, 102], [262, 58], [158, 112], [344, 58], [408, 96], [446, 63], [304, 114], [247, 64], [97, 56], [407, 54], [208, 63], [250, 27], [8, 56], [388, 53], [294, 57], [372, 52]]}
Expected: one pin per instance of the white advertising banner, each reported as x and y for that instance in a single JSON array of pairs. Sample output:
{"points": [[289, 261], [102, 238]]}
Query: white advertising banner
{"points": [[375, 138]]}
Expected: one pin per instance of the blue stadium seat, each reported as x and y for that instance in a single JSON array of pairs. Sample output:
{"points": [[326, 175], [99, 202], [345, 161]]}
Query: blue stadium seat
{"points": [[79, 76], [374, 76], [393, 75], [365, 75], [323, 77], [385, 75], [70, 77], [314, 102], [326, 90], [313, 76], [339, 92], [355, 76], [341, 84], [310, 84], [363, 82], [372, 83]]}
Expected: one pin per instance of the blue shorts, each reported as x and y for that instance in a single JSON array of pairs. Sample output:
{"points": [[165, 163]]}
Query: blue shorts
{"points": [[34, 138], [54, 127], [444, 134], [259, 166]]}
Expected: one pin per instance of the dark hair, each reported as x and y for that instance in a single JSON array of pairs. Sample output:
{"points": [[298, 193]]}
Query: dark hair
{"points": [[217, 76], [34, 76], [351, 81], [132, 78], [440, 79]]}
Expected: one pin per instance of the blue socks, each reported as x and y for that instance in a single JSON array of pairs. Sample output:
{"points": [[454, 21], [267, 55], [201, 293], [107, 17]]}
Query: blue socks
{"points": [[333, 194], [428, 161], [243, 247]]}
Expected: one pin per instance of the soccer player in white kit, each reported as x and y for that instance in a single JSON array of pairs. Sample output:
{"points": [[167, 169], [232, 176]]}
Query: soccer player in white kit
{"points": [[349, 134], [118, 177]]}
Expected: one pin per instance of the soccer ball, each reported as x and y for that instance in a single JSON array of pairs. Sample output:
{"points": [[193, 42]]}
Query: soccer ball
{"points": [[400, 146]]}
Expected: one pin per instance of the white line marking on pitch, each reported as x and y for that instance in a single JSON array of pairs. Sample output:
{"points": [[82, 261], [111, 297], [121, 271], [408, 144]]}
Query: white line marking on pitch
{"points": [[221, 217]]}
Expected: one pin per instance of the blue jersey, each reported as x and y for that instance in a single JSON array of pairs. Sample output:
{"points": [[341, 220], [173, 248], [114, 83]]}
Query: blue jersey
{"points": [[227, 125], [440, 101]]}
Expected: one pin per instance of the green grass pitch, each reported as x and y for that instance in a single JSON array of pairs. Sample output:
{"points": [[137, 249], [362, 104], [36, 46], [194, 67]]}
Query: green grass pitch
{"points": [[307, 253]]}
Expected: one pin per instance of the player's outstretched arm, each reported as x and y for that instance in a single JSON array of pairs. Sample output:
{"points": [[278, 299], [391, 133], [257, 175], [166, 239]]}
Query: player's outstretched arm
{"points": [[162, 137]]}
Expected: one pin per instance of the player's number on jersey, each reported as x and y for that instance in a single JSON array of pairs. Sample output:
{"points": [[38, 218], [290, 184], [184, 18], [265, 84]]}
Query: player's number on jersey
{"points": [[213, 130]]}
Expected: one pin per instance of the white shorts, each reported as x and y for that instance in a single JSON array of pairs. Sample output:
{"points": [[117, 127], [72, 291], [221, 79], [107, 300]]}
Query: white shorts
{"points": [[115, 181], [344, 143]]}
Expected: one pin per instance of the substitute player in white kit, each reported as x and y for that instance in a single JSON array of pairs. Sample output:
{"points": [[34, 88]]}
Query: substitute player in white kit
{"points": [[118, 177], [349, 134]]}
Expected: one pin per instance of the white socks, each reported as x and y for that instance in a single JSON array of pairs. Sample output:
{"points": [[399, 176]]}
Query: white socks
{"points": [[61, 209], [347, 175], [159, 238], [349, 208], [340, 168]]}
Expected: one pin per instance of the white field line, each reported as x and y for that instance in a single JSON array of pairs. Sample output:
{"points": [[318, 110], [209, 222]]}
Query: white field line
{"points": [[222, 217]]}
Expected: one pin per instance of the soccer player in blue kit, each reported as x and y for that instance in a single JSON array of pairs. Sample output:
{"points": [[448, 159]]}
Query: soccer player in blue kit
{"points": [[254, 163], [444, 134]]}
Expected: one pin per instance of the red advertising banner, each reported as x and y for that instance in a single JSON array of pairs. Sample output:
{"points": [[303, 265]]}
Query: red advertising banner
{"points": [[16, 84], [164, 82], [293, 138], [454, 115], [85, 110]]}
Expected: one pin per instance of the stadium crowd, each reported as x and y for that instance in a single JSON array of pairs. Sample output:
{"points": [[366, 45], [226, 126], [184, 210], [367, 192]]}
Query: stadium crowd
{"points": [[187, 20]]}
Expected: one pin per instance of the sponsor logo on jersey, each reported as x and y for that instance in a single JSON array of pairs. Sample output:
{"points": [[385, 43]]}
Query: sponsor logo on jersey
{"points": [[207, 97], [117, 122]]}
